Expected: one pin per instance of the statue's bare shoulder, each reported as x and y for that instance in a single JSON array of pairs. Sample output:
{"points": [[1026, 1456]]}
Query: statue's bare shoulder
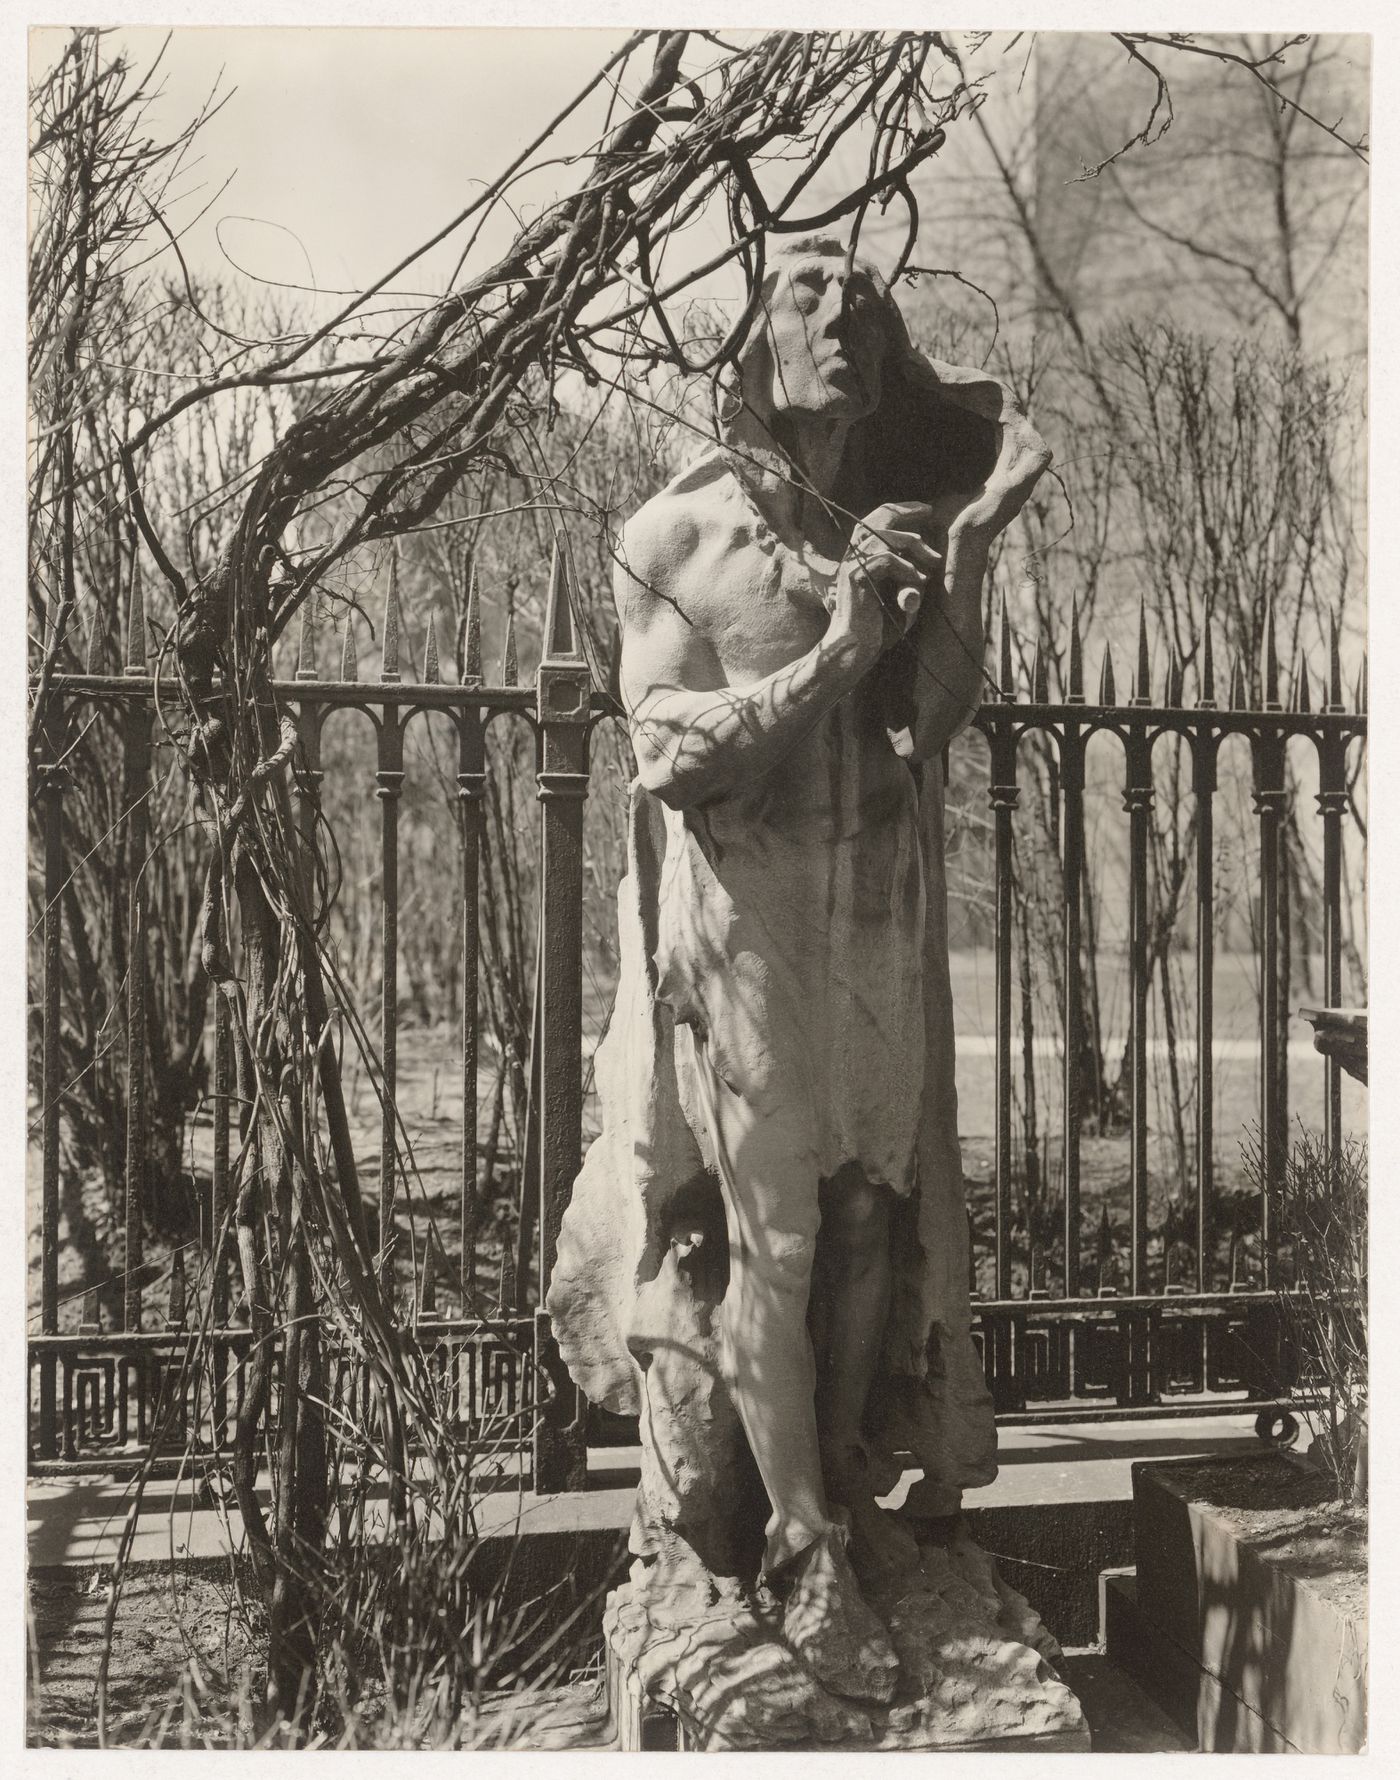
{"points": [[672, 545]]}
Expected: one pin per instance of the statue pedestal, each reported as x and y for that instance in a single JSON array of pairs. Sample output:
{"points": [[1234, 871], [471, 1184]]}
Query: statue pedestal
{"points": [[692, 1667]]}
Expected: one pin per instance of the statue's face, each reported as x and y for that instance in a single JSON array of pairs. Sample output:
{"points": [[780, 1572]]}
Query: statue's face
{"points": [[828, 342]]}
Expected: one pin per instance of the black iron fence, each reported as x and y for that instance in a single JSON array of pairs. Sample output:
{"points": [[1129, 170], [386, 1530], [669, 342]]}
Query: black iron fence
{"points": [[1064, 1335]]}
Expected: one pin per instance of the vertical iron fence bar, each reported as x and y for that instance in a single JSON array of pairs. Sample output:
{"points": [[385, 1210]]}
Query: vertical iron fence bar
{"points": [[1137, 801], [563, 685], [1072, 786], [1005, 795], [1332, 802], [388, 788], [51, 777], [223, 1072], [530, 1178], [219, 1206], [471, 789], [1204, 765], [136, 805], [1268, 804]]}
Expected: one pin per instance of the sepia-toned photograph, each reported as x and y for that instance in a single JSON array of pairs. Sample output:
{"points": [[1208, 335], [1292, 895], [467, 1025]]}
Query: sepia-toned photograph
{"points": [[696, 899]]}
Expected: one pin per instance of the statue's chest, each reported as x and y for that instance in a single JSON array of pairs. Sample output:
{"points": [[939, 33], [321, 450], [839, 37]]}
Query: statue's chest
{"points": [[767, 605]]}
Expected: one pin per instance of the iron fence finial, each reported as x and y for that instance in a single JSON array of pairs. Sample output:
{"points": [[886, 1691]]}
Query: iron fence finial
{"points": [[1176, 681], [306, 649], [1108, 692], [1207, 699], [1239, 691], [1076, 656], [349, 659], [176, 1315], [1040, 678], [1334, 666], [1269, 664], [510, 659], [432, 671], [1008, 687], [427, 1294], [392, 622], [1142, 688], [560, 641], [471, 651], [136, 626], [1302, 691]]}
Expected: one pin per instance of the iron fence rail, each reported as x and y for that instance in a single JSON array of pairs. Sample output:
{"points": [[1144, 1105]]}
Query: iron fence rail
{"points": [[100, 1393]]}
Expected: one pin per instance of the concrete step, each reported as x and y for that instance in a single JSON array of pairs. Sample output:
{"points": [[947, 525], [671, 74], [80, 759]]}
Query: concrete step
{"points": [[1058, 1514], [1123, 1717]]}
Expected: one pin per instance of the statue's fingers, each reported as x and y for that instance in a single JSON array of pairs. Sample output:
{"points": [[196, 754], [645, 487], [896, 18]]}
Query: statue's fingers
{"points": [[916, 510], [910, 544], [892, 569]]}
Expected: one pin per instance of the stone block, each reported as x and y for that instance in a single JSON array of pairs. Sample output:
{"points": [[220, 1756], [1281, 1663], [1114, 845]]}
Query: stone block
{"points": [[1248, 1571]]}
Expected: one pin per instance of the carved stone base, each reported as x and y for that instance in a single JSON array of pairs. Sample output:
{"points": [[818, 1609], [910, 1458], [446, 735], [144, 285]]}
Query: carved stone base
{"points": [[696, 1664]]}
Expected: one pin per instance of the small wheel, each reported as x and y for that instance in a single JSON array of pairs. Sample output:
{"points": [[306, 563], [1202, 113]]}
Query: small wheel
{"points": [[1277, 1427]]}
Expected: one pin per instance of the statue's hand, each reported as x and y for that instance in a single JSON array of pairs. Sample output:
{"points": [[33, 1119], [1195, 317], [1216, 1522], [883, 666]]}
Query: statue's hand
{"points": [[881, 580]]}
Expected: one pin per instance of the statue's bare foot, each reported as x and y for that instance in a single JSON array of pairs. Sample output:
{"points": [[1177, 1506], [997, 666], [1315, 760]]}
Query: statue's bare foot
{"points": [[828, 1623]]}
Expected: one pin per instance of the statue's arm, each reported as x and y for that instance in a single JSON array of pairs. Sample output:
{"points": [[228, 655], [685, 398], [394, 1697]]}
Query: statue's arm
{"points": [[949, 634], [696, 735]]}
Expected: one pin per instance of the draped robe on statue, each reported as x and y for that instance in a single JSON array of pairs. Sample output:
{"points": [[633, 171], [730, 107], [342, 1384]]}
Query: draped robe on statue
{"points": [[785, 945], [798, 931]]}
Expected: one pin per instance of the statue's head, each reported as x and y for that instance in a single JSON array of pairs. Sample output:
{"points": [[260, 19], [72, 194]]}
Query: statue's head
{"points": [[820, 337], [827, 340]]}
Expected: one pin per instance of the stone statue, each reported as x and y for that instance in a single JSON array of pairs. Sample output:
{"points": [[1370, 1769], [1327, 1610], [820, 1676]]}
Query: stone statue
{"points": [[766, 1256]]}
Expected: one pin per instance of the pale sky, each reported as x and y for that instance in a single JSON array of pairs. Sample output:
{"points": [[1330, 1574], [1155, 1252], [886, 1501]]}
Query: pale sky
{"points": [[350, 148]]}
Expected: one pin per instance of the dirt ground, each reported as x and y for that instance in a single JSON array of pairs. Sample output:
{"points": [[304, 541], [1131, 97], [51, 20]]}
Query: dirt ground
{"points": [[174, 1635], [183, 1674]]}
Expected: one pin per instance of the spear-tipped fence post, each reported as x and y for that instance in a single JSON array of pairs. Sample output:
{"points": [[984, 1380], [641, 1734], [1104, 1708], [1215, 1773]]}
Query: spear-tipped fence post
{"points": [[471, 644], [92, 659], [1269, 676], [1334, 700], [1007, 677], [349, 658], [427, 1291], [393, 623], [175, 1316], [432, 671], [563, 715], [1076, 657], [1239, 691], [306, 651], [1040, 678], [471, 790], [510, 659], [135, 662], [1108, 692], [1206, 701], [1142, 687]]}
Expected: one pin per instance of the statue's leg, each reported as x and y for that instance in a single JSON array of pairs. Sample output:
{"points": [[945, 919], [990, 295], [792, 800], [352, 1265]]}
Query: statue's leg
{"points": [[770, 1200], [856, 1279], [855, 1222]]}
